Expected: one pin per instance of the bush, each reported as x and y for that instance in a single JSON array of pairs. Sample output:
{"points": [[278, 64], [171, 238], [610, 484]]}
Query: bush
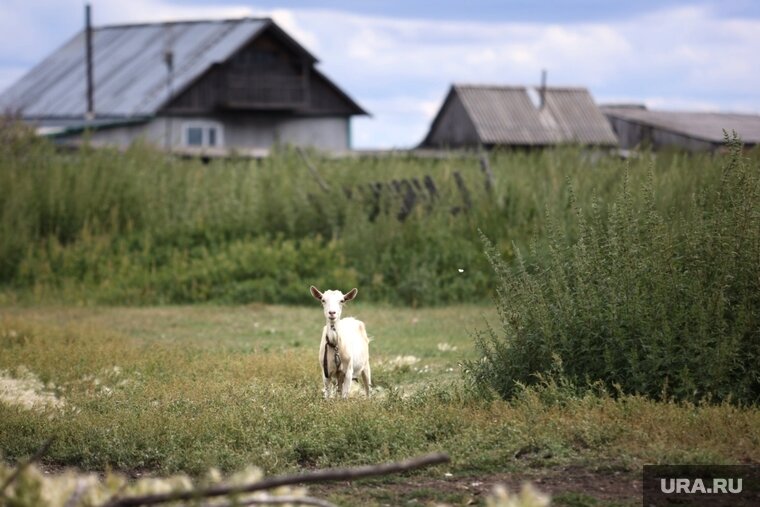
{"points": [[667, 309]]}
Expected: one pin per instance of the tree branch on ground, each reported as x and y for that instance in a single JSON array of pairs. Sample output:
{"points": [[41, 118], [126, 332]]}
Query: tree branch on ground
{"points": [[328, 475]]}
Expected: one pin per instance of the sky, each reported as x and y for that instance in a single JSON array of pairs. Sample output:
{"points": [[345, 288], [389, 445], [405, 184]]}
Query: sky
{"points": [[397, 59]]}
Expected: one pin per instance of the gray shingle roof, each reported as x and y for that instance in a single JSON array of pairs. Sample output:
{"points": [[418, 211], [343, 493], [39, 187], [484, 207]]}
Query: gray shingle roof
{"points": [[130, 76], [697, 125]]}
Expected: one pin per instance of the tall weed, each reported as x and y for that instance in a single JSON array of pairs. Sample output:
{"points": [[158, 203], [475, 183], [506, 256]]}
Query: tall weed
{"points": [[646, 305], [138, 227]]}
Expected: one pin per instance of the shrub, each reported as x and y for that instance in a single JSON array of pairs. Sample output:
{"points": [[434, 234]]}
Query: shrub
{"points": [[664, 308]]}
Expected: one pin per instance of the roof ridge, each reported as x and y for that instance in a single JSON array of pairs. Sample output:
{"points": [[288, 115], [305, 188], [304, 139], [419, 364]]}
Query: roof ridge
{"points": [[488, 86], [564, 88], [492, 86], [182, 22], [681, 111]]}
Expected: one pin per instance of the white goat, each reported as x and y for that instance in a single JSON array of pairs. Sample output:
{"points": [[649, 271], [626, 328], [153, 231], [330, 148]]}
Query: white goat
{"points": [[344, 349]]}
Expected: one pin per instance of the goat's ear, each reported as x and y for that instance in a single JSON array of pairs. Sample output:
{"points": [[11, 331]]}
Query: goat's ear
{"points": [[351, 295], [315, 292]]}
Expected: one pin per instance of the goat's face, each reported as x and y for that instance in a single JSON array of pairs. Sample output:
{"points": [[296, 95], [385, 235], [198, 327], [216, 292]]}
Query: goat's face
{"points": [[332, 301]]}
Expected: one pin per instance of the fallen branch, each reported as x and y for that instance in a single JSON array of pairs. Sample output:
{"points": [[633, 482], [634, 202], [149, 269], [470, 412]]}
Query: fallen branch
{"points": [[328, 475]]}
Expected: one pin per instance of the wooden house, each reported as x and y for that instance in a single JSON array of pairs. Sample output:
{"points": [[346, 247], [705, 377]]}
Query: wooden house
{"points": [[516, 116], [239, 85]]}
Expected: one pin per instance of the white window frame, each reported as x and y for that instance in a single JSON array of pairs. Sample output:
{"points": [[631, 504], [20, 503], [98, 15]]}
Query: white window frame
{"points": [[205, 127]]}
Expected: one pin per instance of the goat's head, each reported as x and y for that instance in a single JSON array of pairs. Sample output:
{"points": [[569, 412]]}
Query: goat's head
{"points": [[332, 301]]}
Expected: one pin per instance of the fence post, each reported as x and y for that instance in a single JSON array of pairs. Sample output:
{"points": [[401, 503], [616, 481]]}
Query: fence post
{"points": [[313, 170], [485, 166], [463, 190]]}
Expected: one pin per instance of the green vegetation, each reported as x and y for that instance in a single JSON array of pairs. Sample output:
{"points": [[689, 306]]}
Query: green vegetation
{"points": [[617, 283], [667, 310], [101, 226]]}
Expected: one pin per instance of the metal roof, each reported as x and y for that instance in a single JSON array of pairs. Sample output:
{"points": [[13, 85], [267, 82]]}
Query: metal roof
{"points": [[506, 115], [130, 74], [698, 125]]}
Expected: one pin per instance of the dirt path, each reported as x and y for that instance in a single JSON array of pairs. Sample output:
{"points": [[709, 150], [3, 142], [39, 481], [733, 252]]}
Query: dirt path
{"points": [[567, 485], [573, 486]]}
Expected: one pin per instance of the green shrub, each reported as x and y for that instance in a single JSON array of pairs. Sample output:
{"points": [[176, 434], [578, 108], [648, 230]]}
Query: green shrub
{"points": [[664, 308]]}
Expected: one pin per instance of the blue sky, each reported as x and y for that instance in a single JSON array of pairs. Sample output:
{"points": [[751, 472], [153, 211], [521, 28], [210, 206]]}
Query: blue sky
{"points": [[398, 58]]}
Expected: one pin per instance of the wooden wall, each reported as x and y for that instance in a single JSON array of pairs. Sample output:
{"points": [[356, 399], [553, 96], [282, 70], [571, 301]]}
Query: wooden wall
{"points": [[263, 76]]}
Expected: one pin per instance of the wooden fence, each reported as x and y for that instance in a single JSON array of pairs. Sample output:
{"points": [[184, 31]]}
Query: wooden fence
{"points": [[409, 192]]}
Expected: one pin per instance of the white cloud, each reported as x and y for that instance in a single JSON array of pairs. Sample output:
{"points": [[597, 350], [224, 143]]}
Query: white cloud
{"points": [[405, 120], [676, 104], [287, 21], [660, 102]]}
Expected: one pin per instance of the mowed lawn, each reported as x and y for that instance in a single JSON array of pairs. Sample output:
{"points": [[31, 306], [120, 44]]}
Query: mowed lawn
{"points": [[183, 389]]}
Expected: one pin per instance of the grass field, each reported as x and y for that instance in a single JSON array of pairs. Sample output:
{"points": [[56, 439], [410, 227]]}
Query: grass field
{"points": [[168, 389]]}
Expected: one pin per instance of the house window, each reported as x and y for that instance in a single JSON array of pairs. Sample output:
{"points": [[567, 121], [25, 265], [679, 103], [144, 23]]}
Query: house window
{"points": [[203, 134], [195, 136]]}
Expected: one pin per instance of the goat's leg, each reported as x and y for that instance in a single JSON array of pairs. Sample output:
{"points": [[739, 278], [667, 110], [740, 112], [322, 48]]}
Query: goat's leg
{"points": [[367, 379], [345, 381], [328, 386]]}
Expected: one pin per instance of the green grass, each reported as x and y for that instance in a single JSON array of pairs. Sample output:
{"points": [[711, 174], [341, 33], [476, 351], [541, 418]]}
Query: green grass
{"points": [[187, 388]]}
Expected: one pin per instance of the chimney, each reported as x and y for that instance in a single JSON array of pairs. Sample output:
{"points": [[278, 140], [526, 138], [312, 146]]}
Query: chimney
{"points": [[90, 113], [542, 90]]}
